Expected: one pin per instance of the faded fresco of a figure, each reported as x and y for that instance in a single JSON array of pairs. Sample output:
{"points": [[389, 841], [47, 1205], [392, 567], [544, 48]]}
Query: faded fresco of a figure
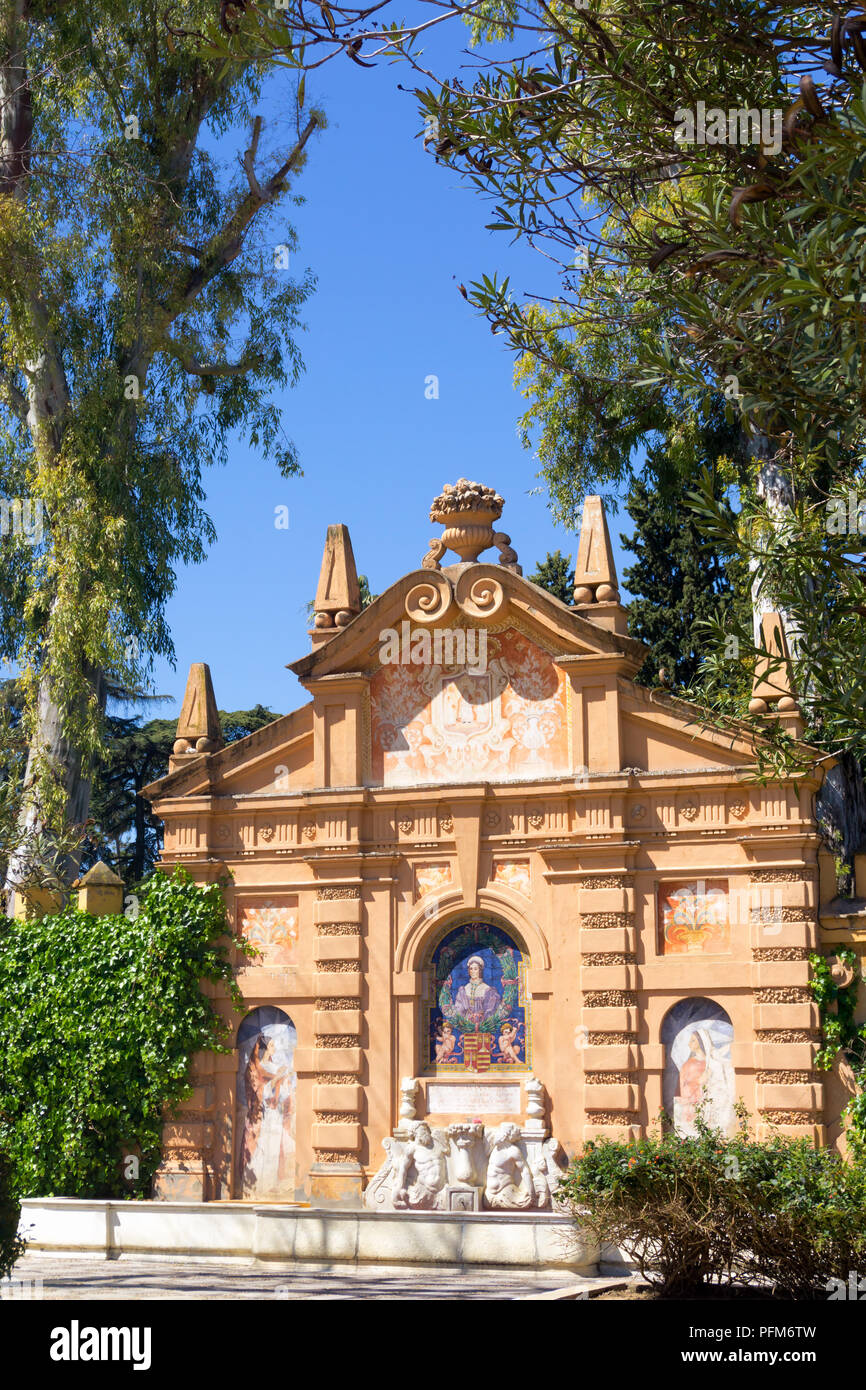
{"points": [[266, 1106], [699, 1077]]}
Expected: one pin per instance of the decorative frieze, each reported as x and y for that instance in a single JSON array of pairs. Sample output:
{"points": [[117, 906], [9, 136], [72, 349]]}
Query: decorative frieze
{"points": [[785, 1078], [610, 998], [791, 994], [780, 953], [780, 876], [600, 921]]}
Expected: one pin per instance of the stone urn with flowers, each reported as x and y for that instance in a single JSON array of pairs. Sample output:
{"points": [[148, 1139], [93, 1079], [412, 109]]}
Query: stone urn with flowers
{"points": [[467, 510]]}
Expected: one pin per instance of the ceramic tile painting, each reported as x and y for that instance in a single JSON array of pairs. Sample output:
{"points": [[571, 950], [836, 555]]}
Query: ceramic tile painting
{"points": [[266, 1105], [450, 723], [478, 1020], [694, 917]]}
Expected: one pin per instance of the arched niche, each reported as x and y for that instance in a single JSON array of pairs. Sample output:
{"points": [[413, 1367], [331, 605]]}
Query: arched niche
{"points": [[475, 1009], [265, 1128], [697, 1035]]}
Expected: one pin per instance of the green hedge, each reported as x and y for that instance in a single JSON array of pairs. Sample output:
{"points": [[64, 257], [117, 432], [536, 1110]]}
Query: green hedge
{"points": [[711, 1210], [99, 1018], [11, 1246]]}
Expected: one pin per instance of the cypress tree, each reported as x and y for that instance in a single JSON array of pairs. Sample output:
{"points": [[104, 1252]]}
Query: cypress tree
{"points": [[555, 573], [676, 583]]}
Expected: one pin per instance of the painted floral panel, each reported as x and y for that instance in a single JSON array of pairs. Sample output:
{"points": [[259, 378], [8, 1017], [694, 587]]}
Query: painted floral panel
{"points": [[694, 917], [272, 927]]}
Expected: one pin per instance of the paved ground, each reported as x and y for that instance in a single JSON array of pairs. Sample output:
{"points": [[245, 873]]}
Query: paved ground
{"points": [[80, 1277]]}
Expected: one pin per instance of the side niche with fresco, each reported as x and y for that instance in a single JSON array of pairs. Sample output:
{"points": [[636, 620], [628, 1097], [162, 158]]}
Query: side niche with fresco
{"points": [[265, 1137], [699, 1079], [477, 1015]]}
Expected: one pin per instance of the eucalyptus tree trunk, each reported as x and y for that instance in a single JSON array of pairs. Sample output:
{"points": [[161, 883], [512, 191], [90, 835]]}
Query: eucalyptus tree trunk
{"points": [[43, 410], [773, 486], [840, 807]]}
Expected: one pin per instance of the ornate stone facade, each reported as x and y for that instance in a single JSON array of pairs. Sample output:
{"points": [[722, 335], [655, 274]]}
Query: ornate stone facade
{"points": [[467, 879]]}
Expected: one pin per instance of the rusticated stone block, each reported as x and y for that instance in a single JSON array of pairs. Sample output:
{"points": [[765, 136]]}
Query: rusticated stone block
{"points": [[799, 1015], [608, 977], [808, 1098], [605, 900], [337, 948], [337, 1059], [337, 910], [780, 974], [613, 939], [614, 1057], [785, 1056], [762, 934], [342, 1136], [607, 1097], [337, 984], [620, 1128], [615, 1019], [349, 1099], [337, 1021]]}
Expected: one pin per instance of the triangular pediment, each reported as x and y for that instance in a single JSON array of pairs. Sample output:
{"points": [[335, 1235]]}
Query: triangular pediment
{"points": [[470, 595], [663, 734], [275, 760]]}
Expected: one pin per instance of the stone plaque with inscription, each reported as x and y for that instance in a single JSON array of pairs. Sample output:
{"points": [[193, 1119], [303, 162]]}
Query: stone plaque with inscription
{"points": [[473, 1098]]}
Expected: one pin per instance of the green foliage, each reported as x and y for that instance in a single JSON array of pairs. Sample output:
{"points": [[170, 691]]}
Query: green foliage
{"points": [[817, 577], [99, 1018], [11, 1244], [366, 596], [843, 1038], [678, 586], [555, 573], [140, 270], [123, 831], [714, 1210]]}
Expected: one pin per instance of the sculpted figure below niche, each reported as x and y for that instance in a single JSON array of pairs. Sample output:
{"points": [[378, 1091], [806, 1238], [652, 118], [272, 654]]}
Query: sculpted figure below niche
{"points": [[467, 1167], [477, 1016], [699, 1077], [265, 1151]]}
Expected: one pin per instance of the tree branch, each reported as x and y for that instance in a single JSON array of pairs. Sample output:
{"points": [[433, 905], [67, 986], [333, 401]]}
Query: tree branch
{"points": [[190, 362]]}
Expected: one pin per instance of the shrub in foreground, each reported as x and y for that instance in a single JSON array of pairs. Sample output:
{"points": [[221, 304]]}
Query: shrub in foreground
{"points": [[714, 1210]]}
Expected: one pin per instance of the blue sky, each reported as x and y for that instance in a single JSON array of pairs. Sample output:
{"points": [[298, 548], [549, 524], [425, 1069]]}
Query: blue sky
{"points": [[389, 234]]}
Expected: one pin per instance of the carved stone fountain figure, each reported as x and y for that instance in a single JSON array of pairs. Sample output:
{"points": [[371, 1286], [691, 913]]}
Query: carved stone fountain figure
{"points": [[509, 1177], [469, 1166]]}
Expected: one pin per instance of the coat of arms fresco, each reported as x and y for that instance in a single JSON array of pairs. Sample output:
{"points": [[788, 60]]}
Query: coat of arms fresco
{"points": [[446, 723]]}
